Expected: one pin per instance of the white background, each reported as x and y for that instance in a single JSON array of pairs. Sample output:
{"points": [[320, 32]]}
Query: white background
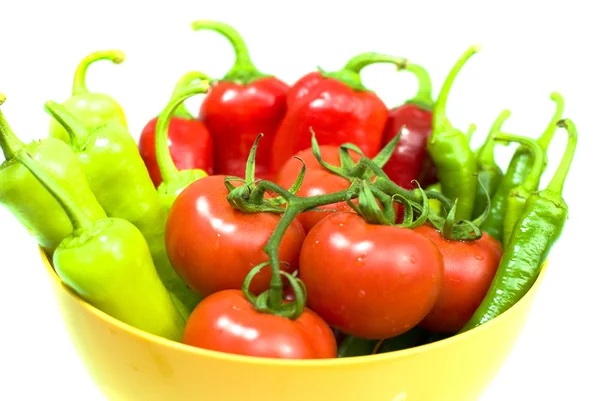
{"points": [[529, 50]]}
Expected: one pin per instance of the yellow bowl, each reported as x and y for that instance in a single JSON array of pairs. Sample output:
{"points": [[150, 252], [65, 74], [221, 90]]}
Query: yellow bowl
{"points": [[128, 364]]}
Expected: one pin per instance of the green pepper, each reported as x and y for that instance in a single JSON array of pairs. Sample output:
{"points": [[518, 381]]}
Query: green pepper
{"points": [[91, 108], [28, 201], [488, 172], [173, 180], [450, 151], [434, 204], [517, 197], [518, 169], [118, 177], [410, 339], [355, 346], [107, 262], [537, 230]]}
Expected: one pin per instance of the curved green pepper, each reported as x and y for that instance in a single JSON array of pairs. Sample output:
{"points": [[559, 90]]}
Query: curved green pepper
{"points": [[173, 180], [31, 204], [518, 169], [517, 197], [488, 172], [107, 263], [449, 148], [118, 177], [537, 230], [91, 108]]}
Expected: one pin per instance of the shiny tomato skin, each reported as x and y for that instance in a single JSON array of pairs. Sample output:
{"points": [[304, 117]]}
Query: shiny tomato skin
{"points": [[317, 180], [469, 268], [213, 246], [371, 281], [226, 321]]}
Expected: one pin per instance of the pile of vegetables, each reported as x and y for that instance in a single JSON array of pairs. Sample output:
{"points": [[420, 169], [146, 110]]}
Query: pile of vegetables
{"points": [[288, 221]]}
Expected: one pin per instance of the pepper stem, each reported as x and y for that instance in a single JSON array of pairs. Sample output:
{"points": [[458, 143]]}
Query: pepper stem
{"points": [[531, 182], [243, 71], [440, 119], [78, 218], [166, 165], [79, 86], [78, 132], [423, 98], [9, 142], [545, 139], [558, 180], [182, 84], [350, 74], [485, 155]]}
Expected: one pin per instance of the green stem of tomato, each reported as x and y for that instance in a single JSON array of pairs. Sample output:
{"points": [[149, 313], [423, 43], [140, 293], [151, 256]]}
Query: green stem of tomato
{"points": [[295, 206]]}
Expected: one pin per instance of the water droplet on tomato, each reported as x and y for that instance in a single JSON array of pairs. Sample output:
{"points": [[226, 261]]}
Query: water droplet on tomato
{"points": [[478, 257], [360, 259], [413, 260], [362, 293]]}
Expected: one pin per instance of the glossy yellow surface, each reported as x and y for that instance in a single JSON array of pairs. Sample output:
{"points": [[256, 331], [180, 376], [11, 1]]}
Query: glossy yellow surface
{"points": [[129, 365]]}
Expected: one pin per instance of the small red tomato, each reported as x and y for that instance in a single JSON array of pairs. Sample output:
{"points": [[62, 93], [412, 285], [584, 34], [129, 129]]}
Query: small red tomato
{"points": [[469, 268], [226, 321], [190, 144], [371, 281], [213, 246], [317, 180]]}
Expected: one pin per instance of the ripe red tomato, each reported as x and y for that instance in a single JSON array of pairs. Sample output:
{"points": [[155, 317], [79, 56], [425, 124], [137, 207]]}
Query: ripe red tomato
{"points": [[190, 144], [213, 246], [317, 180], [371, 281], [226, 321], [469, 268]]}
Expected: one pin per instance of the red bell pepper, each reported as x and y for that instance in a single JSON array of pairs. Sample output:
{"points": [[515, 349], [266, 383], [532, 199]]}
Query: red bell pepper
{"points": [[239, 107], [190, 143], [337, 107], [415, 115]]}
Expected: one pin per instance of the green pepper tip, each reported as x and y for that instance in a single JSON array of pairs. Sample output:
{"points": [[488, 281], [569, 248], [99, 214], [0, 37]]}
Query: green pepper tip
{"points": [[118, 56]]}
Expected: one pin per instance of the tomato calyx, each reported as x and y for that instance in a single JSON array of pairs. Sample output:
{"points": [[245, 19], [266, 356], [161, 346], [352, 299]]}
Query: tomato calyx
{"points": [[292, 310]]}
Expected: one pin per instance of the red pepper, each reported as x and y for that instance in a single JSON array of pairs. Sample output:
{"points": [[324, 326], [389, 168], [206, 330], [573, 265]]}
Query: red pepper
{"points": [[190, 143], [415, 115], [239, 107], [337, 107]]}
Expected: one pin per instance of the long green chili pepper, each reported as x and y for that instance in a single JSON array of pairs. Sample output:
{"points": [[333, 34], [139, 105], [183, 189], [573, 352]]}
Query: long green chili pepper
{"points": [[174, 180], [517, 197], [449, 148], [518, 169], [31, 204], [537, 230], [489, 173], [107, 262], [118, 177], [92, 109]]}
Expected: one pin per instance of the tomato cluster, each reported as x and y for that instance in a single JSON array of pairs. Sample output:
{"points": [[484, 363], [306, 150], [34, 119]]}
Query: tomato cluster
{"points": [[371, 281]]}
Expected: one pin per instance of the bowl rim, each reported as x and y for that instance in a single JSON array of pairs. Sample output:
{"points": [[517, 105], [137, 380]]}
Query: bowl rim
{"points": [[276, 362]]}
